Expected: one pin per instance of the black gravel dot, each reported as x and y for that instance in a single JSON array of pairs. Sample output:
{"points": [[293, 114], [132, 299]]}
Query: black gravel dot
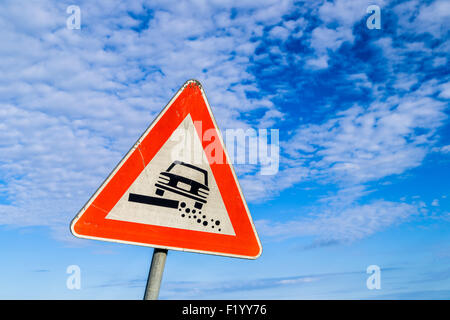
{"points": [[204, 217], [205, 223], [183, 204], [183, 215], [187, 210], [217, 222], [199, 220], [193, 211]]}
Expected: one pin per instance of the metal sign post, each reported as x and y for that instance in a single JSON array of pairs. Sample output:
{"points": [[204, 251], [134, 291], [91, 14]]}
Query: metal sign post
{"points": [[155, 274]]}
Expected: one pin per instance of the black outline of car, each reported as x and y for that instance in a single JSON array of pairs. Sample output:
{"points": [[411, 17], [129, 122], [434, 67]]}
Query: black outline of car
{"points": [[168, 182]]}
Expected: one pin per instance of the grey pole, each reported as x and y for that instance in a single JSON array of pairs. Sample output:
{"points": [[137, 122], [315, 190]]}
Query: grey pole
{"points": [[155, 274]]}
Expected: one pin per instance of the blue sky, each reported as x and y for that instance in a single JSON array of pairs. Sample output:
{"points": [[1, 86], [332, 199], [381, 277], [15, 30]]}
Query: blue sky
{"points": [[362, 115]]}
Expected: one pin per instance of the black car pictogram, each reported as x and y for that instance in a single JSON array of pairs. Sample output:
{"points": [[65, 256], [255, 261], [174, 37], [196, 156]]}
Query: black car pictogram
{"points": [[186, 180]]}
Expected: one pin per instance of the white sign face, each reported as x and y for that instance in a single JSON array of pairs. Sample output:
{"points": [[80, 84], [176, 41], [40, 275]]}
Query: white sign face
{"points": [[176, 189]]}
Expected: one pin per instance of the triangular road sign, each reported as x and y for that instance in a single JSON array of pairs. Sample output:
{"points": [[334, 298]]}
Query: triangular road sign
{"points": [[175, 188]]}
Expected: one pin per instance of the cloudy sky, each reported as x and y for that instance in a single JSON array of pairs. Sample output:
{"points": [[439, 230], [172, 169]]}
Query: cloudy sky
{"points": [[363, 123]]}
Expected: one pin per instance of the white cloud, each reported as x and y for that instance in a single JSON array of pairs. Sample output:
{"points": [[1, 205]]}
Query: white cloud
{"points": [[445, 90], [318, 63], [346, 13], [433, 18], [360, 80], [341, 224], [204, 288], [404, 81], [439, 61], [298, 24], [259, 188], [324, 39], [342, 15], [356, 146], [360, 144], [279, 32], [416, 17], [48, 165]]}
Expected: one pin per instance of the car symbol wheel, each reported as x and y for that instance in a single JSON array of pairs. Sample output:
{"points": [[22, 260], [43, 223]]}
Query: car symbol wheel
{"points": [[198, 205]]}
